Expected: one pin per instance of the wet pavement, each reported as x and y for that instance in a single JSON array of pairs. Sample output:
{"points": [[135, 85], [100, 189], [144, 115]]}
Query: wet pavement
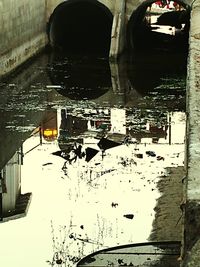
{"points": [[89, 142]]}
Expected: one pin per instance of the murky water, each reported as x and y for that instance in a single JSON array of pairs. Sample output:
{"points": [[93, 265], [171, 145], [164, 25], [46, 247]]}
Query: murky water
{"points": [[83, 145]]}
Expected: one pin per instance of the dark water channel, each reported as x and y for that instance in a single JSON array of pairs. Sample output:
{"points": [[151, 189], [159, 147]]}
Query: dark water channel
{"points": [[83, 145]]}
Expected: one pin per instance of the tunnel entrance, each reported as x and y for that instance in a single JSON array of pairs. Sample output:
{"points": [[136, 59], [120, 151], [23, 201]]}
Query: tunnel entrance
{"points": [[81, 27], [159, 25], [158, 47]]}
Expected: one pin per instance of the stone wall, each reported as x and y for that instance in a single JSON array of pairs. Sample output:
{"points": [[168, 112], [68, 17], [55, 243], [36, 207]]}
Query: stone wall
{"points": [[22, 31]]}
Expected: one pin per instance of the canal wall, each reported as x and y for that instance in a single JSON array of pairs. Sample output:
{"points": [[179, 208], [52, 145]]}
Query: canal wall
{"points": [[24, 26], [191, 202], [23, 31]]}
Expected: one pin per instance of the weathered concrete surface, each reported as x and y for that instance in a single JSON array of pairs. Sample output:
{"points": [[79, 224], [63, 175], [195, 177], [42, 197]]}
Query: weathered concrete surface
{"points": [[193, 256], [191, 242], [23, 31], [118, 34], [23, 27], [51, 5]]}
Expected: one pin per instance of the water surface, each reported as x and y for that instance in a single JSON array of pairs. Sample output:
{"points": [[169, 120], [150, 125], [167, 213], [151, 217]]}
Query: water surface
{"points": [[89, 140]]}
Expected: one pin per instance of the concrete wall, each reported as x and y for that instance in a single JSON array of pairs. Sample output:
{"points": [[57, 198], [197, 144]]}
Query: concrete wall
{"points": [[51, 5], [22, 31], [23, 27], [118, 9], [113, 5], [191, 242]]}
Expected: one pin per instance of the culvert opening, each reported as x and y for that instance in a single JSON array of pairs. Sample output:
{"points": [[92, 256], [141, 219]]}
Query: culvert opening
{"points": [[81, 27], [160, 25]]}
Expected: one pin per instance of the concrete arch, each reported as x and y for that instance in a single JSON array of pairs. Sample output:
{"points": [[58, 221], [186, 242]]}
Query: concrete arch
{"points": [[135, 23], [81, 26]]}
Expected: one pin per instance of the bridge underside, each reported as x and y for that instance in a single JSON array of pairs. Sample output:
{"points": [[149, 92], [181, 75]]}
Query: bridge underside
{"points": [[85, 27]]}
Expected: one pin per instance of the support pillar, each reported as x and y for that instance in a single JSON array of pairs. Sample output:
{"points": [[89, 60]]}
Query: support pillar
{"points": [[118, 34]]}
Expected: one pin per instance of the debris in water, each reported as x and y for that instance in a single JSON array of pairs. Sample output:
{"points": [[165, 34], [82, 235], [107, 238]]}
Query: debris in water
{"points": [[114, 205], [129, 216], [160, 158], [139, 156], [48, 163], [54, 86], [151, 153]]}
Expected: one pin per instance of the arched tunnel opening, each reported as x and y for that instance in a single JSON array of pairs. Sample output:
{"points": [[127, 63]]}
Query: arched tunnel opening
{"points": [[161, 25], [157, 36], [81, 27]]}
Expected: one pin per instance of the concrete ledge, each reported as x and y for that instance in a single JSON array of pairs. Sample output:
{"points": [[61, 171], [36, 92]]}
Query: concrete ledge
{"points": [[21, 208], [15, 57]]}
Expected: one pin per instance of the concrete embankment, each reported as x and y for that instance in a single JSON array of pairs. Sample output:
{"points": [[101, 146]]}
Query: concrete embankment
{"points": [[191, 242], [22, 33]]}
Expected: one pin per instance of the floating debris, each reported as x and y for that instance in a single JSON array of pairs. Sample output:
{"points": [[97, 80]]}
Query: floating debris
{"points": [[54, 86], [151, 153], [48, 163], [160, 158], [129, 216], [114, 205], [139, 156]]}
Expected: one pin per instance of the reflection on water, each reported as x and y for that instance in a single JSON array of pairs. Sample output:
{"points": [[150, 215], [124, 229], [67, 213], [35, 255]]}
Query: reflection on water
{"points": [[80, 78], [82, 147]]}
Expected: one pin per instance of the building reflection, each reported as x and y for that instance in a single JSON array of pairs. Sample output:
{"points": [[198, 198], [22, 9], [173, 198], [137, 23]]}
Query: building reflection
{"points": [[13, 204], [49, 128], [99, 123], [105, 128]]}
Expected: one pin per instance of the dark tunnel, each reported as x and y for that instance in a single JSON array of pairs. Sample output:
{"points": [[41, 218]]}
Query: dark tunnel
{"points": [[156, 53], [144, 34], [81, 27]]}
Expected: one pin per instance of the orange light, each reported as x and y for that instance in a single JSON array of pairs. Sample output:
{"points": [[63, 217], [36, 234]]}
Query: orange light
{"points": [[50, 134]]}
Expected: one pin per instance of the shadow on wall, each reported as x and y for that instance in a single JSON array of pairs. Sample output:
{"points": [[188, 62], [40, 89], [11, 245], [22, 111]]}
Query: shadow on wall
{"points": [[81, 27]]}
